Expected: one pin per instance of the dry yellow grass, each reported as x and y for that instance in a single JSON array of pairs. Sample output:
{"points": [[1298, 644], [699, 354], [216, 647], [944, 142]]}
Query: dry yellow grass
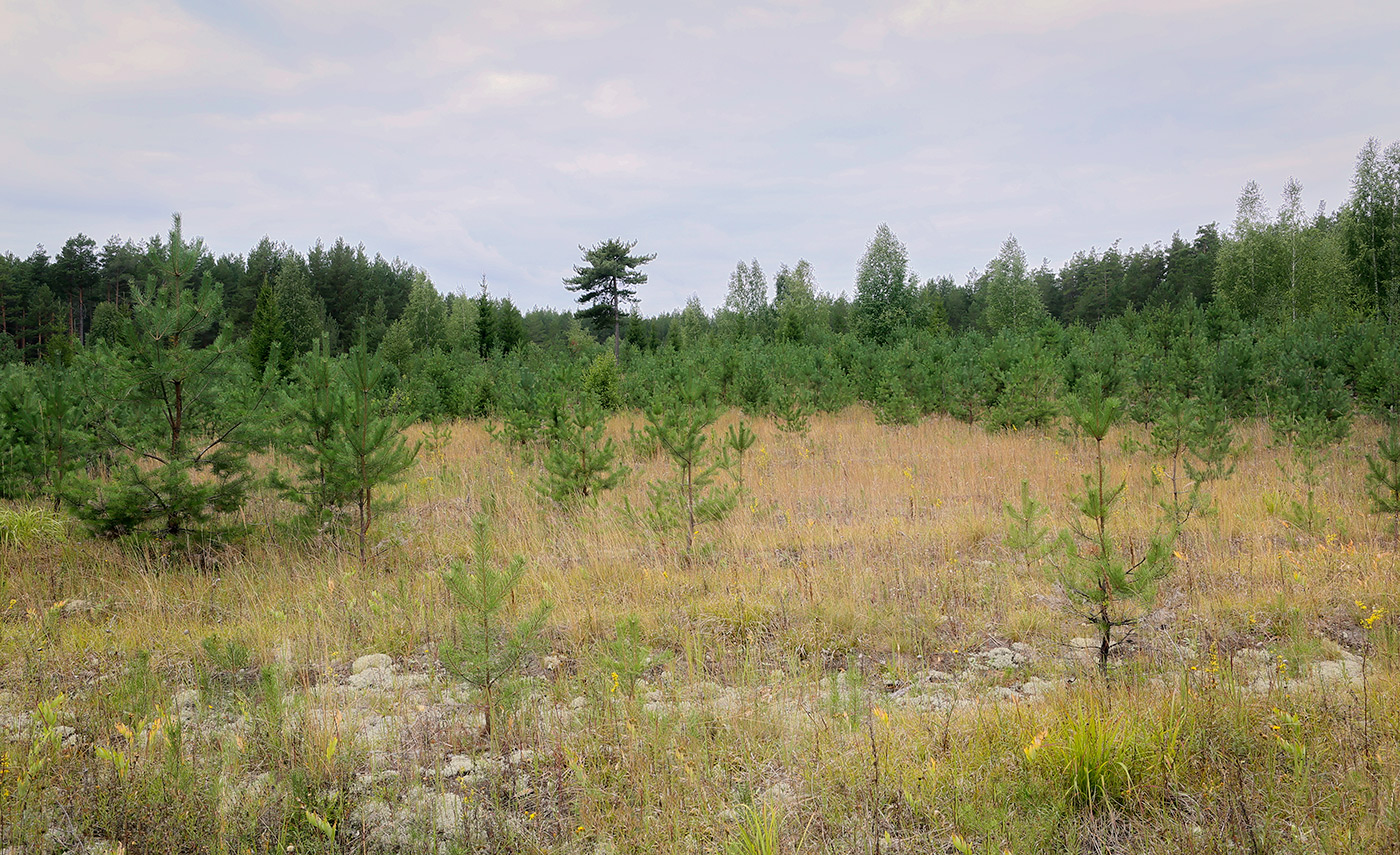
{"points": [[869, 537], [856, 546]]}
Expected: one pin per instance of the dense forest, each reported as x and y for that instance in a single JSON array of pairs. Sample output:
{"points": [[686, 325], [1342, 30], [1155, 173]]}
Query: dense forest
{"points": [[1286, 315]]}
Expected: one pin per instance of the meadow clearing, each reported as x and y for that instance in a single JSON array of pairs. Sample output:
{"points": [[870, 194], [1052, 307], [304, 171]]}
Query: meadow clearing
{"points": [[853, 661]]}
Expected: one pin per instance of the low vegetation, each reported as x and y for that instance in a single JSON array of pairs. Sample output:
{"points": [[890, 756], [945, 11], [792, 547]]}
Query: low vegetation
{"points": [[857, 658]]}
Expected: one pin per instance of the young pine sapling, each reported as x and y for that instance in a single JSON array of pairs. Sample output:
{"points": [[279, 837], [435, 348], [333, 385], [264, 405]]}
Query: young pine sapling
{"points": [[581, 461], [678, 426], [1024, 533], [1103, 585], [490, 644], [1194, 438], [1311, 412], [1383, 479], [739, 439]]}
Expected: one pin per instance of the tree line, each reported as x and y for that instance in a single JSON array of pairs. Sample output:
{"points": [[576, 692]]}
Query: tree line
{"points": [[137, 363]]}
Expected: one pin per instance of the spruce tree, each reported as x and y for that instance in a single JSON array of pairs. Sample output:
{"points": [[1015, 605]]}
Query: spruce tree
{"points": [[265, 337], [302, 312]]}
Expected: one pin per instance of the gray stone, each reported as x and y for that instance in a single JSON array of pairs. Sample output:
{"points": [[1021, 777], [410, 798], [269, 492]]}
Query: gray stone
{"points": [[1332, 672], [372, 678], [998, 659], [377, 729], [458, 764], [1036, 687], [371, 660]]}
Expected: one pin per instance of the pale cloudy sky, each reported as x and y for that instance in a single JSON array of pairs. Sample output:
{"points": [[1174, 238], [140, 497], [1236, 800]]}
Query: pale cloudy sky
{"points": [[495, 138]]}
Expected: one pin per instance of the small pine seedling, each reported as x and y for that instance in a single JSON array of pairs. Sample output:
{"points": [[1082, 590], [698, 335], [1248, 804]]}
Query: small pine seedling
{"points": [[678, 427], [490, 646], [1103, 585], [1024, 533], [1383, 479], [739, 439], [581, 462]]}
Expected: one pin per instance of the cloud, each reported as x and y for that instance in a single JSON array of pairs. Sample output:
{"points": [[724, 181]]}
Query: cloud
{"points": [[495, 138], [882, 71], [93, 48], [508, 86], [614, 99], [602, 163]]}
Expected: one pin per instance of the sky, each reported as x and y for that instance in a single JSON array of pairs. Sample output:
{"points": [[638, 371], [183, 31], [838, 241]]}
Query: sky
{"points": [[495, 139]]}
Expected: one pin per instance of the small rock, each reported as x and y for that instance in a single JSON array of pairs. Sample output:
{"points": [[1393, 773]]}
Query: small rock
{"points": [[378, 729], [521, 756], [997, 659], [372, 678], [551, 663], [1036, 687], [457, 765], [1002, 693], [578, 703], [371, 660], [1337, 671]]}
